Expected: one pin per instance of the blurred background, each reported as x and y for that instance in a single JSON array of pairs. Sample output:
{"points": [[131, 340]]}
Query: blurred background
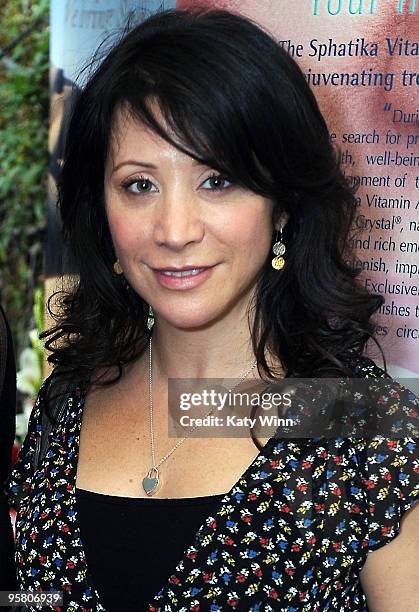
{"points": [[24, 119]]}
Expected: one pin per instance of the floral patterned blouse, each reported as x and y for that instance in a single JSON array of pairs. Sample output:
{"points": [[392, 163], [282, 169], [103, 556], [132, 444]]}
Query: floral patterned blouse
{"points": [[291, 535]]}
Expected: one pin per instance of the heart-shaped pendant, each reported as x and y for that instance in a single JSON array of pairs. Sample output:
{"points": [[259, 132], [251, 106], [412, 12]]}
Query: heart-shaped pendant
{"points": [[150, 482]]}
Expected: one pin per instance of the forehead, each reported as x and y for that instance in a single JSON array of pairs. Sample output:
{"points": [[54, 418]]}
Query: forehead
{"points": [[128, 132]]}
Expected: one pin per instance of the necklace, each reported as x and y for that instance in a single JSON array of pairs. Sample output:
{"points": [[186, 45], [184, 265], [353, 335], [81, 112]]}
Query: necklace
{"points": [[152, 480]]}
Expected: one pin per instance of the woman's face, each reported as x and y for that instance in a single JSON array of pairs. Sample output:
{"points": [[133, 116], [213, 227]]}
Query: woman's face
{"points": [[167, 212]]}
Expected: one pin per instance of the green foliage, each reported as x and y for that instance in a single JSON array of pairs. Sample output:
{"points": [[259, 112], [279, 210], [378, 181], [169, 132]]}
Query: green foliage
{"points": [[30, 372], [24, 111]]}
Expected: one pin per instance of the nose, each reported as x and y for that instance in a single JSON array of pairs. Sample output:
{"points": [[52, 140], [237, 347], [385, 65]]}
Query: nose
{"points": [[178, 220]]}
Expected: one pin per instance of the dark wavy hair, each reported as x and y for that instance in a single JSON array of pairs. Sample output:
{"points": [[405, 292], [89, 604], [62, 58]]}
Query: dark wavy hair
{"points": [[236, 101]]}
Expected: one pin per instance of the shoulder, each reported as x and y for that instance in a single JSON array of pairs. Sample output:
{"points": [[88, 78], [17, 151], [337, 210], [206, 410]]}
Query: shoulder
{"points": [[388, 460], [392, 453], [382, 434], [391, 485], [51, 400], [365, 367], [385, 485], [400, 560], [19, 482], [391, 408]]}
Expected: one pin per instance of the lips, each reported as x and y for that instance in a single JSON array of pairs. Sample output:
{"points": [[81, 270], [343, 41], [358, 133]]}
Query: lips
{"points": [[183, 278], [182, 273], [180, 269]]}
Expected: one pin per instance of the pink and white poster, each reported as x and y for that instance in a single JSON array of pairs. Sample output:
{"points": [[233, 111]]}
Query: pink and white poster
{"points": [[360, 59]]}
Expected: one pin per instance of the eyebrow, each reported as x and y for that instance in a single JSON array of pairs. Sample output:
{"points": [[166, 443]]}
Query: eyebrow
{"points": [[133, 162]]}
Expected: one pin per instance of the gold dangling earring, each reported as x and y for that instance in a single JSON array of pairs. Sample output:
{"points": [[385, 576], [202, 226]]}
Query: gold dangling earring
{"points": [[279, 249], [117, 267]]}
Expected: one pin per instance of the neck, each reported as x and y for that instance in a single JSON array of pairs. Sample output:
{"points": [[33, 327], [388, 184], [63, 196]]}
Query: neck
{"points": [[221, 351]]}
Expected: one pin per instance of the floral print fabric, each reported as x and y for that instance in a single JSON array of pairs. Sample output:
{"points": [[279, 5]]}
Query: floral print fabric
{"points": [[292, 534]]}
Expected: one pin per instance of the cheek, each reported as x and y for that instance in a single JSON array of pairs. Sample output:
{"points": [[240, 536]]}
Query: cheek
{"points": [[125, 235], [253, 236]]}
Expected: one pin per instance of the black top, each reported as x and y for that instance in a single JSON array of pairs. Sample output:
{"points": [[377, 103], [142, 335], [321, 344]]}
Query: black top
{"points": [[132, 544], [7, 435]]}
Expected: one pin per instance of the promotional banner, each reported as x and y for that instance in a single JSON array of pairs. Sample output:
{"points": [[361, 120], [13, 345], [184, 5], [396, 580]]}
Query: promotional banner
{"points": [[360, 59]]}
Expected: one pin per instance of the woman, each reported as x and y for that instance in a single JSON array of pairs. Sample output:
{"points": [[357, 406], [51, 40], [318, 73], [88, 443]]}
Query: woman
{"points": [[196, 144]]}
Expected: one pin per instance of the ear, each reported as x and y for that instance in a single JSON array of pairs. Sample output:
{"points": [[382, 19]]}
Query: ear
{"points": [[282, 221]]}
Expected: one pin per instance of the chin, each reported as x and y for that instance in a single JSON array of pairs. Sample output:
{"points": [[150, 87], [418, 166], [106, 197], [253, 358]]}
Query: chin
{"points": [[189, 323], [190, 320]]}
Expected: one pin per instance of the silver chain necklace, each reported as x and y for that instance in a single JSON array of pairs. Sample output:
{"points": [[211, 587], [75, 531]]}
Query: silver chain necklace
{"points": [[152, 479]]}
